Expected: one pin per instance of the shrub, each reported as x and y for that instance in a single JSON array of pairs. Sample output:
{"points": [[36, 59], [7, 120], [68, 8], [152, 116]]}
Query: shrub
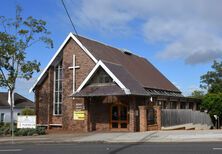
{"points": [[25, 132], [6, 130], [41, 130]]}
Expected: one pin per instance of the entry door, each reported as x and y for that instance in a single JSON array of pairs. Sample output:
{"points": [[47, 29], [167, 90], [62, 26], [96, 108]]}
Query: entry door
{"points": [[119, 117]]}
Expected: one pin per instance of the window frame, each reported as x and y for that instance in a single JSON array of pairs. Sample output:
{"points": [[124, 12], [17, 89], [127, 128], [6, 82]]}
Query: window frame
{"points": [[57, 92]]}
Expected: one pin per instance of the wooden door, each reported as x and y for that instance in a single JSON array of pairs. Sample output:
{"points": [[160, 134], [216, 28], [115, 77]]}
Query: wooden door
{"points": [[119, 117]]}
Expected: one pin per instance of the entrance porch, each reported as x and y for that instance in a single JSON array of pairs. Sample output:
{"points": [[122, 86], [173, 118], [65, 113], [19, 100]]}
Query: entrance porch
{"points": [[120, 113], [112, 113]]}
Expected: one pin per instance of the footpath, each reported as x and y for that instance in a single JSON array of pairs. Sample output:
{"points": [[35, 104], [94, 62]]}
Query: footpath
{"points": [[121, 137]]}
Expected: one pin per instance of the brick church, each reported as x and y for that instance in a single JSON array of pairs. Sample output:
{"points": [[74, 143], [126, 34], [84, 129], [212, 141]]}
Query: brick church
{"points": [[89, 86]]}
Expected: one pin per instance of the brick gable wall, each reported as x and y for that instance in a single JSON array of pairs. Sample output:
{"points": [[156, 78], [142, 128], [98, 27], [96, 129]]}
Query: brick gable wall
{"points": [[44, 92], [86, 64]]}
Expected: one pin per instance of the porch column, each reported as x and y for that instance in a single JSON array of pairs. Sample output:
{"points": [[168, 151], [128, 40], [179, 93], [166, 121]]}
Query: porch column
{"points": [[194, 106], [86, 122], [143, 118], [178, 105], [158, 116], [187, 105], [132, 115]]}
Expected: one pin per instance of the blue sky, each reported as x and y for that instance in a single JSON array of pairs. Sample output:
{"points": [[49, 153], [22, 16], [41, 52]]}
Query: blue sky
{"points": [[181, 38]]}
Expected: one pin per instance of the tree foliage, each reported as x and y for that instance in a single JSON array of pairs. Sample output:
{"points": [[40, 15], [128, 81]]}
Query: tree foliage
{"points": [[28, 111], [16, 36], [213, 103], [212, 80], [198, 94]]}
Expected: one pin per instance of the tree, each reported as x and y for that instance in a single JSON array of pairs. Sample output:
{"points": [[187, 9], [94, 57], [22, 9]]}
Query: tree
{"points": [[16, 36], [213, 103], [28, 111], [197, 94], [212, 80]]}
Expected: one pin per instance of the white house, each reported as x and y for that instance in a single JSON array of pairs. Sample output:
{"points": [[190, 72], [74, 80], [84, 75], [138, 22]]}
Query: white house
{"points": [[20, 103]]}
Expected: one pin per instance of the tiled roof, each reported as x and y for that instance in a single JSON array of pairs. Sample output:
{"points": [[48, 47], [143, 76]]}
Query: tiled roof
{"points": [[106, 90], [139, 68], [127, 79]]}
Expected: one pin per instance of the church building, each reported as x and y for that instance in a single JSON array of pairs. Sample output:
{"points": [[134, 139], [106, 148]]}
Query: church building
{"points": [[89, 86]]}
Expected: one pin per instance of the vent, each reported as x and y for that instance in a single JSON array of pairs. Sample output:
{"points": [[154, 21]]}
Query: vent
{"points": [[127, 52]]}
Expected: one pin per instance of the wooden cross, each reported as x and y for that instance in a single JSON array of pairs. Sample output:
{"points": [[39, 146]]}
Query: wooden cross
{"points": [[74, 67]]}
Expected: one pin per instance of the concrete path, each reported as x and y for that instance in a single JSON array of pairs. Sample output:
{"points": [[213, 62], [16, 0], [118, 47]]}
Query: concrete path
{"points": [[123, 137]]}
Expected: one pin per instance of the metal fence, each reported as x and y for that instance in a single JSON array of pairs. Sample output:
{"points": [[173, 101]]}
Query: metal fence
{"points": [[173, 117]]}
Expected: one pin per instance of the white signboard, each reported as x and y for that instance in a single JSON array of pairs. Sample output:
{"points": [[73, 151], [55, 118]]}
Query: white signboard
{"points": [[26, 122]]}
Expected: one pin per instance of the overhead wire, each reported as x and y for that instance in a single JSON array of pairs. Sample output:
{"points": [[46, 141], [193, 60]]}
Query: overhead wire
{"points": [[64, 5]]}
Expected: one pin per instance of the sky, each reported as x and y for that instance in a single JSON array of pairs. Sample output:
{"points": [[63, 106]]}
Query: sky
{"points": [[181, 38]]}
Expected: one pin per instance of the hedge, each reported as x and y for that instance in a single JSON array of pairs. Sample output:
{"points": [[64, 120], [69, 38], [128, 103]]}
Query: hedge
{"points": [[5, 130]]}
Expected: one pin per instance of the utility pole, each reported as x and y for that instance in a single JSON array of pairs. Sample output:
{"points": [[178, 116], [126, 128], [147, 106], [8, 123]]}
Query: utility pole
{"points": [[11, 102]]}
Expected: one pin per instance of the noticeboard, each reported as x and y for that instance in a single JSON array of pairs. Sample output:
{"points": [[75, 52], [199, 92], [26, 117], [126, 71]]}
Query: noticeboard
{"points": [[26, 122], [79, 115]]}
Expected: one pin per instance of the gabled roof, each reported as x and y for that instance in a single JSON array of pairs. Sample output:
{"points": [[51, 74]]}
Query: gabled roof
{"points": [[140, 69], [70, 36], [126, 78], [20, 101], [107, 70], [126, 84]]}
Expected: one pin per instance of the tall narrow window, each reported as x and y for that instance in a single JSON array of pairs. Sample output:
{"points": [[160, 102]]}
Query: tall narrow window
{"points": [[58, 76]]}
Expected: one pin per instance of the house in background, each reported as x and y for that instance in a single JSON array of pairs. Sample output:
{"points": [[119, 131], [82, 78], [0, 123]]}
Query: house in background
{"points": [[90, 86], [20, 103]]}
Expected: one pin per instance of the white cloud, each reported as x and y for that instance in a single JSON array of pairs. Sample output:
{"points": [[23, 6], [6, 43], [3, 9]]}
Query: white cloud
{"points": [[189, 29]]}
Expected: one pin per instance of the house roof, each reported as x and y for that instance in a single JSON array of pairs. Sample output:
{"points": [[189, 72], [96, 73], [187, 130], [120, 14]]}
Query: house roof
{"points": [[20, 101], [140, 71], [126, 78], [139, 68]]}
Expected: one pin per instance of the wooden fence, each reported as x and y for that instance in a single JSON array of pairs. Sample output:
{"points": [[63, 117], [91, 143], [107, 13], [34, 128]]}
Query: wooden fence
{"points": [[173, 117]]}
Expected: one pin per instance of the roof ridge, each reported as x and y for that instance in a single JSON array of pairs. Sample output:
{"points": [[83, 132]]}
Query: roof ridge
{"points": [[119, 49]]}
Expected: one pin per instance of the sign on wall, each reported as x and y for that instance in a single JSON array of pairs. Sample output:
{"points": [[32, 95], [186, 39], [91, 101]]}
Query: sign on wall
{"points": [[80, 106], [79, 115], [26, 122]]}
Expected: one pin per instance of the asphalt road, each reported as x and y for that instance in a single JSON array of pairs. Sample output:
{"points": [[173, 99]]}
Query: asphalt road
{"points": [[100, 148]]}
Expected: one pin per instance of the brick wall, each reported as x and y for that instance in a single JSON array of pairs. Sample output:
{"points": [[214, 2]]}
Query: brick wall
{"points": [[44, 92], [86, 65], [42, 101]]}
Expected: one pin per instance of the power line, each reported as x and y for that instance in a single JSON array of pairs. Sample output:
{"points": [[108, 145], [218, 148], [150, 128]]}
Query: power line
{"points": [[69, 17]]}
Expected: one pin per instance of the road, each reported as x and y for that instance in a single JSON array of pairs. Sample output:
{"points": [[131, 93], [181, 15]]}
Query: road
{"points": [[100, 148]]}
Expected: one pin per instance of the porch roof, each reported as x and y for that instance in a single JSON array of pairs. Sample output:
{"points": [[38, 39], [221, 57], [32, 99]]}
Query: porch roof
{"points": [[103, 90]]}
